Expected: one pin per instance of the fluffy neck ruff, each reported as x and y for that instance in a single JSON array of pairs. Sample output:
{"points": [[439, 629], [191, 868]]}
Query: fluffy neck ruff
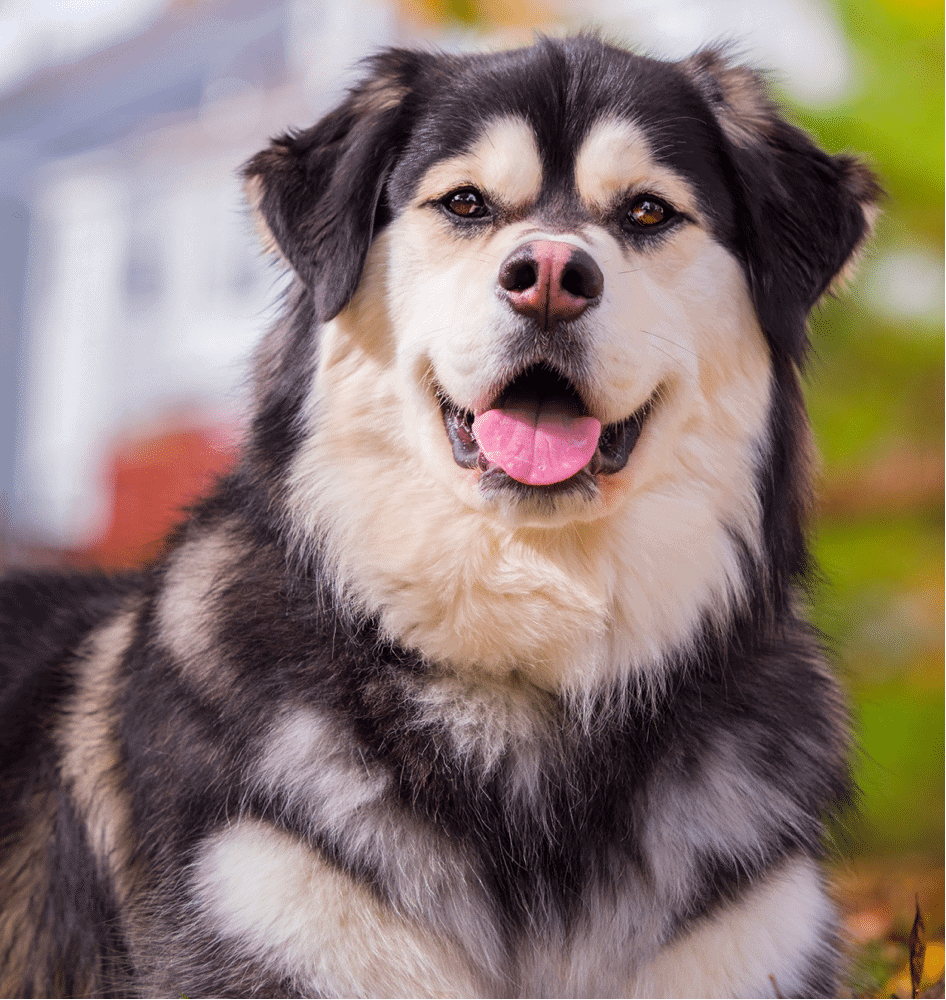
{"points": [[574, 608]]}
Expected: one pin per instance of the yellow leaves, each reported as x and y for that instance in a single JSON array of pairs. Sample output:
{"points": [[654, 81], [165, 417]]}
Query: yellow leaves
{"points": [[482, 13], [888, 957], [922, 973], [900, 984]]}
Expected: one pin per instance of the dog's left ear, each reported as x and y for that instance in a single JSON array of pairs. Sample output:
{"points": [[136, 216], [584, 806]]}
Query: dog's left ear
{"points": [[804, 214], [318, 194]]}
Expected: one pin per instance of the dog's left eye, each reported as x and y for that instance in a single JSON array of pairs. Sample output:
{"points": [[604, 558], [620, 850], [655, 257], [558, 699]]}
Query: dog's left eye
{"points": [[648, 212], [467, 203]]}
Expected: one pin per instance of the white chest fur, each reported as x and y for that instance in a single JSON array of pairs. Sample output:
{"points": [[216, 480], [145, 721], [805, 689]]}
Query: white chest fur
{"points": [[268, 893]]}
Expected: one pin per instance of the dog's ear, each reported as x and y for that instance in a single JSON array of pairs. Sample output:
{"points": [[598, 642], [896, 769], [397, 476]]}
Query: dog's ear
{"points": [[317, 194], [804, 214]]}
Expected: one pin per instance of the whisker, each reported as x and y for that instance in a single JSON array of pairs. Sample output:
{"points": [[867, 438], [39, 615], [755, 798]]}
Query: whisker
{"points": [[672, 343], [675, 360], [667, 354]]}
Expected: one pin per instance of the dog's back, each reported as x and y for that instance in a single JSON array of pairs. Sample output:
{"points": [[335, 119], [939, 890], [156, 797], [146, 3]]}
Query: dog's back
{"points": [[57, 921]]}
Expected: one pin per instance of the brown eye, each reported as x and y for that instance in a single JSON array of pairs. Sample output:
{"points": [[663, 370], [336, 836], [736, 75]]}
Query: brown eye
{"points": [[468, 203], [648, 212]]}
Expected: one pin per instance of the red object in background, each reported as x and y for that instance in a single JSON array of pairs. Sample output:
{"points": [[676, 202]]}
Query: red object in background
{"points": [[153, 479]]}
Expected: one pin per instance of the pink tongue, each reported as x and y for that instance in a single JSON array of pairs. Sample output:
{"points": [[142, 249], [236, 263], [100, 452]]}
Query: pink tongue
{"points": [[538, 444]]}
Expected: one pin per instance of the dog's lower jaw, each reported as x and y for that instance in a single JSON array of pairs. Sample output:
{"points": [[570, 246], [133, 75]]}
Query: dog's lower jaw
{"points": [[514, 506]]}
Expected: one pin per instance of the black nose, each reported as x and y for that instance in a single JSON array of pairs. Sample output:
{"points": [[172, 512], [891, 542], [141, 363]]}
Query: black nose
{"points": [[550, 281]]}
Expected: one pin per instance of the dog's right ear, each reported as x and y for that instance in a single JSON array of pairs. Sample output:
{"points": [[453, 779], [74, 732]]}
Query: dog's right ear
{"points": [[317, 194], [805, 214]]}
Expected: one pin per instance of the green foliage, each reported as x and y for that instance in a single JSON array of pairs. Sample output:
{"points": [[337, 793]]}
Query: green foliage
{"points": [[895, 111], [873, 385], [877, 404], [901, 772]]}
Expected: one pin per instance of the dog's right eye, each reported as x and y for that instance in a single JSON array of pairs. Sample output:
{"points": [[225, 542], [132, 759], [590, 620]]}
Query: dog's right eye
{"points": [[467, 203]]}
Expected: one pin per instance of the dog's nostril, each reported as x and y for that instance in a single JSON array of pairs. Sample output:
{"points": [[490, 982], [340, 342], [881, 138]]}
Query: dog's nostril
{"points": [[574, 283], [517, 277], [582, 277]]}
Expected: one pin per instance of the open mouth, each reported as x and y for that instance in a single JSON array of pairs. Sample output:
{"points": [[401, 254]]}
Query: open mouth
{"points": [[539, 432]]}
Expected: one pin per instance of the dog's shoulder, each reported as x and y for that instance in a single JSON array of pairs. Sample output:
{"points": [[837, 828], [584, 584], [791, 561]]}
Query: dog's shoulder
{"points": [[44, 619]]}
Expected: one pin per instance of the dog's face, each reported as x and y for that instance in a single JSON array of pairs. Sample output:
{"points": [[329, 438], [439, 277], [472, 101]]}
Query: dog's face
{"points": [[541, 364], [573, 262], [563, 305]]}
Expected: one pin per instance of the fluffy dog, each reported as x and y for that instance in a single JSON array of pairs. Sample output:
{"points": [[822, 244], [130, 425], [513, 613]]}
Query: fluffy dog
{"points": [[487, 671]]}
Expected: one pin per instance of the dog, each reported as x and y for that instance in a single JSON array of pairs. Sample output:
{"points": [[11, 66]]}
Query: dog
{"points": [[487, 671]]}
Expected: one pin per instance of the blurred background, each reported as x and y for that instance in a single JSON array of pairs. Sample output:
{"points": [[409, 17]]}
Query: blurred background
{"points": [[132, 290]]}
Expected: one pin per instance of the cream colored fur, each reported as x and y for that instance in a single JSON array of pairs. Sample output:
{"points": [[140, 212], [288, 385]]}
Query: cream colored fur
{"points": [[268, 892], [90, 765], [196, 573], [751, 949]]}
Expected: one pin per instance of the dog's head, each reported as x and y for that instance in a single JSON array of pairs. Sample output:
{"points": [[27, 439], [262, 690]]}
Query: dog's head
{"points": [[567, 260]]}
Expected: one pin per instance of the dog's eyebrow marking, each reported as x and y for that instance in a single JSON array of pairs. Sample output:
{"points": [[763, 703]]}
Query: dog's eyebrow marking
{"points": [[504, 162], [616, 159]]}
